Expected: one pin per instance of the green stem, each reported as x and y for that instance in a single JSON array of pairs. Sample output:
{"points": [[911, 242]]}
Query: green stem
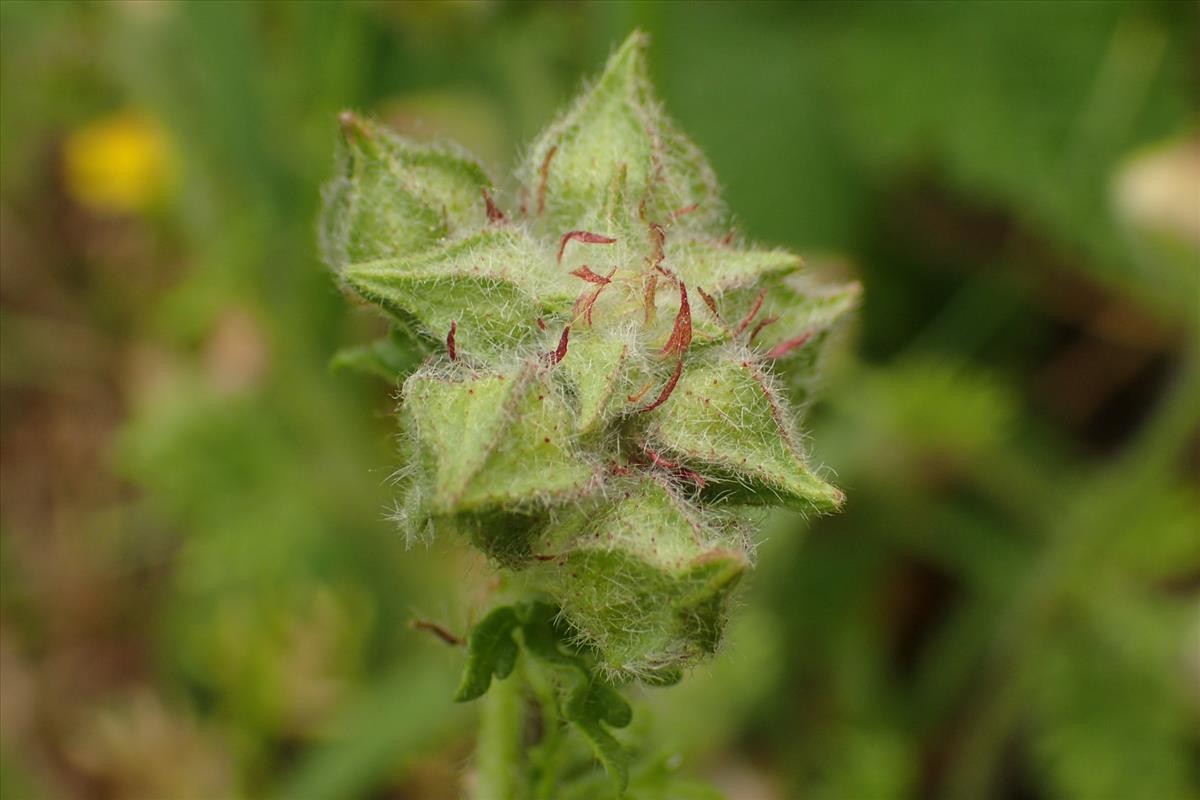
{"points": [[547, 755], [498, 751]]}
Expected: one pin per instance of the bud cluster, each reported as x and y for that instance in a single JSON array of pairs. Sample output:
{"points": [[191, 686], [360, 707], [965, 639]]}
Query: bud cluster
{"points": [[602, 408]]}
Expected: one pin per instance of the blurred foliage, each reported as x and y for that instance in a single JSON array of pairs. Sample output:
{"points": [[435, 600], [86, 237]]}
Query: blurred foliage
{"points": [[199, 593]]}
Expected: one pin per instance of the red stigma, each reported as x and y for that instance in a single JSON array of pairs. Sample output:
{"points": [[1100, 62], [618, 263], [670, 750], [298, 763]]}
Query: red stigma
{"points": [[681, 334], [667, 389], [746, 320], [587, 300], [587, 237], [762, 324], [791, 344], [560, 352], [591, 277], [493, 214]]}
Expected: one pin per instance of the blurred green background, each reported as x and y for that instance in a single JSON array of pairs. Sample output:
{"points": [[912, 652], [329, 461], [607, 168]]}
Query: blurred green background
{"points": [[200, 594]]}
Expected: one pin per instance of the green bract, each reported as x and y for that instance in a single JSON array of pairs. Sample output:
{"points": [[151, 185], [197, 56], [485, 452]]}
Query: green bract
{"points": [[603, 403]]}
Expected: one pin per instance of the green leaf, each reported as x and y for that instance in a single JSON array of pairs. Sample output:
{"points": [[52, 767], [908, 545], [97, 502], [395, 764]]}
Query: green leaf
{"points": [[542, 638], [388, 357], [806, 316], [392, 197], [455, 422], [592, 705], [726, 421], [491, 650]]}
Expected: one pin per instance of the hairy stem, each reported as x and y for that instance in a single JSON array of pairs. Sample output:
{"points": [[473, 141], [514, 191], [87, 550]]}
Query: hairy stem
{"points": [[498, 752]]}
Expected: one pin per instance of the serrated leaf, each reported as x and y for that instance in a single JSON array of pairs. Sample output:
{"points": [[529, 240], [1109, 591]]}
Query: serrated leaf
{"points": [[589, 707], [726, 421], [592, 704], [491, 650], [616, 135], [480, 285], [392, 197]]}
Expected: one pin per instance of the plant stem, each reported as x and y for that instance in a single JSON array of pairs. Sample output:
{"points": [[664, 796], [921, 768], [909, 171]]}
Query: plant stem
{"points": [[498, 752]]}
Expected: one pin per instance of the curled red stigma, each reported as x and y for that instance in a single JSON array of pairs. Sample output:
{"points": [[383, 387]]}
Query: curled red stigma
{"points": [[450, 341], [762, 324], [587, 237], [560, 352], [709, 301], [438, 631], [683, 472], [750, 315], [656, 459], [681, 334], [791, 344], [591, 277], [587, 300], [667, 389]]}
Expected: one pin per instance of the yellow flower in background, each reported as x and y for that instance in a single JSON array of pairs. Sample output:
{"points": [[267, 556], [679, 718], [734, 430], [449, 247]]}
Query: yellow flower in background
{"points": [[118, 164]]}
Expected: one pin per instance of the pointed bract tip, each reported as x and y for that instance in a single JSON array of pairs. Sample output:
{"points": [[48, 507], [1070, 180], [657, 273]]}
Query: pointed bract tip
{"points": [[637, 40], [353, 126], [827, 499], [630, 57]]}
